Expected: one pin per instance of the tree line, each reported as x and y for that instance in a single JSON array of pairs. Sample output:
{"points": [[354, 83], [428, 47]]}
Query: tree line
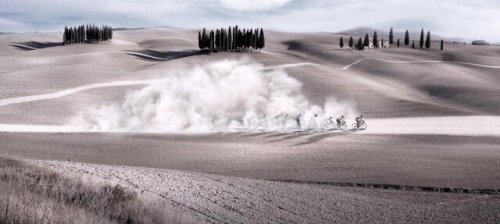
{"points": [[87, 34], [232, 39], [362, 44]]}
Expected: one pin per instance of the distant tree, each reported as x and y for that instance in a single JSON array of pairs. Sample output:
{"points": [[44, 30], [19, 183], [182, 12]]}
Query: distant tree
{"points": [[397, 43], [200, 42], [360, 46], [413, 45], [351, 42], [366, 43], [421, 43], [442, 44], [256, 39], [212, 40], [375, 40], [407, 38], [428, 40], [65, 34], [230, 39], [262, 39], [341, 42], [218, 38], [382, 43], [391, 37]]}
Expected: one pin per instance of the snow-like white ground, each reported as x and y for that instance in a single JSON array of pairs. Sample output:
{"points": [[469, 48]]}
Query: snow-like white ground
{"points": [[450, 125]]}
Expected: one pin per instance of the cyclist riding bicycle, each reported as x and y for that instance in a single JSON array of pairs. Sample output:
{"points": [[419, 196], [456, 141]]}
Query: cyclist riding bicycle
{"points": [[340, 120], [359, 121]]}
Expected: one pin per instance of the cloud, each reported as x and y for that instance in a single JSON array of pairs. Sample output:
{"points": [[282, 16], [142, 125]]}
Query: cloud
{"points": [[456, 18], [254, 5]]}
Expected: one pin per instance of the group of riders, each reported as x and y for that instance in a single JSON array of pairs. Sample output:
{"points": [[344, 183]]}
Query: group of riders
{"points": [[341, 123]]}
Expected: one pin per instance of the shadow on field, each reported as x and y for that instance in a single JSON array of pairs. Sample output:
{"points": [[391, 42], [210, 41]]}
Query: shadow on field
{"points": [[317, 138], [153, 55], [34, 45]]}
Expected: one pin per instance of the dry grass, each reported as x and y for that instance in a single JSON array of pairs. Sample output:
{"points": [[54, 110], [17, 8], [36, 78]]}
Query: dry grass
{"points": [[30, 194]]}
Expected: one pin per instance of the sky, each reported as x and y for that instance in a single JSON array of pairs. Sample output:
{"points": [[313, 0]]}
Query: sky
{"points": [[470, 19]]}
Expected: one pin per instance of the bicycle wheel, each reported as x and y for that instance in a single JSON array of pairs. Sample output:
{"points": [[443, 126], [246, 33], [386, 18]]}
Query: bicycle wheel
{"points": [[364, 126], [343, 126], [354, 126]]}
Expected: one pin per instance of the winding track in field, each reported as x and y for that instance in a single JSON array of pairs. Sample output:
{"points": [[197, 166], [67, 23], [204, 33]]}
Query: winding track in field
{"points": [[70, 91], [420, 61]]}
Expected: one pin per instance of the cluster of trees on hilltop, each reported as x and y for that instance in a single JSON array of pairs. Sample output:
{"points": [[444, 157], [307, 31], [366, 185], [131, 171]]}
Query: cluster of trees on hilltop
{"points": [[362, 44], [232, 39], [87, 34]]}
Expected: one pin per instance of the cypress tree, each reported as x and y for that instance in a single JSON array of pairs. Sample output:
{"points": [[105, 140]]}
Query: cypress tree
{"points": [[413, 45], [391, 37], [361, 46], [382, 43], [421, 43], [397, 43], [375, 40], [407, 38], [217, 39], [212, 39], [442, 44], [230, 39], [351, 42], [341, 43], [367, 41], [204, 38], [256, 39], [200, 45], [262, 39], [65, 34], [73, 35], [428, 40]]}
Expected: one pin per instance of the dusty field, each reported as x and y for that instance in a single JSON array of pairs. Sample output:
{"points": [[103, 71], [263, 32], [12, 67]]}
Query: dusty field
{"points": [[433, 121], [222, 199], [426, 160]]}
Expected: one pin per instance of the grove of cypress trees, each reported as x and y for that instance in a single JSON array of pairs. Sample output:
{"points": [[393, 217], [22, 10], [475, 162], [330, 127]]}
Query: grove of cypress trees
{"points": [[428, 40], [351, 42], [421, 43], [442, 44], [375, 39], [231, 39], [341, 42], [87, 34], [366, 43], [391, 37], [407, 38]]}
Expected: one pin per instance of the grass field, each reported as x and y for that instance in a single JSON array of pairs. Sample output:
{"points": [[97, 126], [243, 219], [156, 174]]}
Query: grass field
{"points": [[30, 194]]}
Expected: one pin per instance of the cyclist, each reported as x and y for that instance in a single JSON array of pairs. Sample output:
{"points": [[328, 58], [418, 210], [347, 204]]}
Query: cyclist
{"points": [[359, 121], [340, 120]]}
